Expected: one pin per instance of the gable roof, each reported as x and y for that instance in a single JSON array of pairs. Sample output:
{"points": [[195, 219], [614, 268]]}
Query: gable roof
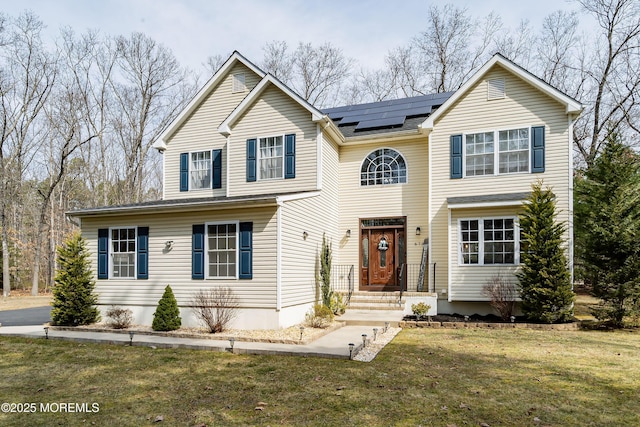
{"points": [[572, 106], [253, 96], [161, 142]]}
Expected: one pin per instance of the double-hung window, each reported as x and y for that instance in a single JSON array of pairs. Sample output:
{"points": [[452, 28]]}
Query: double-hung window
{"points": [[123, 252], [271, 157], [514, 150], [479, 153], [222, 248], [200, 170], [488, 241], [509, 149]]}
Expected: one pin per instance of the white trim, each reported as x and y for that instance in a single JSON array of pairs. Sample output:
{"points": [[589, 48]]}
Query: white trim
{"points": [[572, 106], [449, 263], [227, 169], [227, 124], [161, 142], [110, 253], [503, 203], [406, 164], [430, 201], [481, 241], [288, 198], [279, 256], [571, 248], [164, 174], [206, 249], [319, 159]]}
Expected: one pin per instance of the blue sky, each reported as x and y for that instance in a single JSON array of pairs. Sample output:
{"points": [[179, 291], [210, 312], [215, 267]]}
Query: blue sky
{"points": [[197, 29]]}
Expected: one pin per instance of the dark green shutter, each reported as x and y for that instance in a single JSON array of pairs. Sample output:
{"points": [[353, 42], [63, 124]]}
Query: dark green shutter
{"points": [[103, 253], [184, 172], [251, 159], [142, 252], [216, 164], [290, 156], [246, 249], [197, 252], [455, 142], [537, 149]]}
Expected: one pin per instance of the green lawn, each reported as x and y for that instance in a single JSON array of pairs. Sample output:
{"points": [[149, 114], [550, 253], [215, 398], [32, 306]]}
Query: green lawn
{"points": [[434, 377]]}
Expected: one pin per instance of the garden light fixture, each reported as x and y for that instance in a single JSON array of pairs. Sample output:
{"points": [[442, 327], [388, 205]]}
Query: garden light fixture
{"points": [[364, 340], [46, 332], [232, 341], [131, 338], [351, 346]]}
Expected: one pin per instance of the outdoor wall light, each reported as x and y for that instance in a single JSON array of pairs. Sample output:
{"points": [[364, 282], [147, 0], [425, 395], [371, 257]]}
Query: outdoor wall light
{"points": [[375, 333], [418, 231], [351, 346], [349, 233], [232, 341], [168, 244], [305, 235], [131, 338], [46, 332], [301, 332], [364, 340]]}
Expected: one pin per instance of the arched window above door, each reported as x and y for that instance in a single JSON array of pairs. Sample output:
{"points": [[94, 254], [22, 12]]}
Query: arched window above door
{"points": [[383, 166]]}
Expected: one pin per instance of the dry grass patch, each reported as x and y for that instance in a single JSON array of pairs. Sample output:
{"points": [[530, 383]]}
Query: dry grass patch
{"points": [[424, 377], [19, 300]]}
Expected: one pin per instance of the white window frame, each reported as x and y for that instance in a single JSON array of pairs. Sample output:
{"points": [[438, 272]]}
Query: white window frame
{"points": [[496, 151], [366, 158], [135, 252], [481, 242], [206, 249], [259, 158], [191, 170]]}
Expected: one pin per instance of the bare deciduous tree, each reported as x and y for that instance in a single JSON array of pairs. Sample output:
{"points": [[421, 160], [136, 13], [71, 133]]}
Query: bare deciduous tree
{"points": [[315, 73], [27, 76], [612, 79]]}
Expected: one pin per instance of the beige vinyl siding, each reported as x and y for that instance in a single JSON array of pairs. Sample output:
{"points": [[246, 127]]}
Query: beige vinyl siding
{"points": [[383, 201], [273, 114], [467, 280], [200, 132], [523, 106], [316, 215], [173, 267]]}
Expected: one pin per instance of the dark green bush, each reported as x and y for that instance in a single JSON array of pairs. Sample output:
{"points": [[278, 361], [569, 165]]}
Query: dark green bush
{"points": [[167, 315]]}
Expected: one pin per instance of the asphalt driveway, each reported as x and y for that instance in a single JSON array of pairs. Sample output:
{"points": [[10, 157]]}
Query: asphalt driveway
{"points": [[26, 316]]}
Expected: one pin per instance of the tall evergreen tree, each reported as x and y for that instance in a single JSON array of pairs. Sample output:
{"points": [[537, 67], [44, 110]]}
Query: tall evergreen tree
{"points": [[607, 212], [74, 300], [544, 279], [325, 270]]}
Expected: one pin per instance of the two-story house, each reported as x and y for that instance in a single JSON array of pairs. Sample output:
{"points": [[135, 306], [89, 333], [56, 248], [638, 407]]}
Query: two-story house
{"points": [[418, 194]]}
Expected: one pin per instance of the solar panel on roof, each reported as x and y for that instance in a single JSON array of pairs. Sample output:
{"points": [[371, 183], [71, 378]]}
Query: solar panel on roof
{"points": [[389, 121]]}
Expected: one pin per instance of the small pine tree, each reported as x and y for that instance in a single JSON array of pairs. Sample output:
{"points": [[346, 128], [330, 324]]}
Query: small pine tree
{"points": [[325, 271], [73, 298], [167, 314], [544, 280]]}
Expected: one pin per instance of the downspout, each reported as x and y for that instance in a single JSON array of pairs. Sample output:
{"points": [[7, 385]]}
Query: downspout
{"points": [[279, 254], [570, 228]]}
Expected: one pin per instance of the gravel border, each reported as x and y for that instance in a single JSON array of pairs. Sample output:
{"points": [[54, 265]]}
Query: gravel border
{"points": [[368, 353]]}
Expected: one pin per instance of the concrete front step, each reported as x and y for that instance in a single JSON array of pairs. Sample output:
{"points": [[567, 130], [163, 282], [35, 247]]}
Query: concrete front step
{"points": [[357, 306]]}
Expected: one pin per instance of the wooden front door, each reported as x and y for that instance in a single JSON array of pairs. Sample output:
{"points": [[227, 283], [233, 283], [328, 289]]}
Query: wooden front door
{"points": [[381, 253]]}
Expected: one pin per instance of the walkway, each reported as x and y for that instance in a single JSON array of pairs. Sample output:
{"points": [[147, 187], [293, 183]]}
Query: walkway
{"points": [[333, 345]]}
